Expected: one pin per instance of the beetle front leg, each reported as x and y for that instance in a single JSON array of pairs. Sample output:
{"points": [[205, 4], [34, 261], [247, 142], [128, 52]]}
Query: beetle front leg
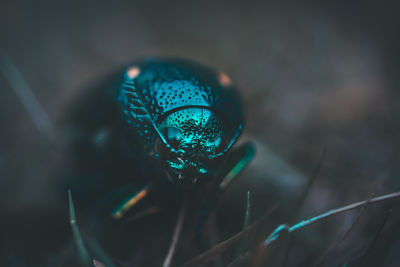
{"points": [[238, 159], [120, 210]]}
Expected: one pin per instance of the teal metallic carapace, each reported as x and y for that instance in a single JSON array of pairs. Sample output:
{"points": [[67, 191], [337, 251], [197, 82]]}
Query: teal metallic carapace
{"points": [[185, 114]]}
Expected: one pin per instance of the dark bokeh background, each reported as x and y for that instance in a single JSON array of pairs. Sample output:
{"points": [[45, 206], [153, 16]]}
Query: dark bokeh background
{"points": [[311, 75]]}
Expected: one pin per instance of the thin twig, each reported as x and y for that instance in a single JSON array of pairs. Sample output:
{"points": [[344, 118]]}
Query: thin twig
{"points": [[247, 214], [177, 232], [213, 252], [302, 199], [213, 236], [332, 248], [379, 231], [274, 235], [300, 202], [224, 245], [246, 223], [367, 254], [243, 251]]}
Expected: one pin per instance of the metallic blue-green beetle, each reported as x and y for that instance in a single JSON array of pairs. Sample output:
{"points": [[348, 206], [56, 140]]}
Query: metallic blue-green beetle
{"points": [[156, 116], [186, 115]]}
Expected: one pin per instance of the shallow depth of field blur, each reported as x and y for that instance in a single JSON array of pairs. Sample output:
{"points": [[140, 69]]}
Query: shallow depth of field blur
{"points": [[311, 76]]}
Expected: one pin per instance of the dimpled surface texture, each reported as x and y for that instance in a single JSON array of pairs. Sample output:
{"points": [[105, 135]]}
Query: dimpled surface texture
{"points": [[164, 86]]}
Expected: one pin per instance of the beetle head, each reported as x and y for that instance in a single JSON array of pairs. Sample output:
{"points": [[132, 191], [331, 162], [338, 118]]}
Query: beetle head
{"points": [[188, 142]]}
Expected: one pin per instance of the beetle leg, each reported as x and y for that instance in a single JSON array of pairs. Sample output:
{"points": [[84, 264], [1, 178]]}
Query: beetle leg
{"points": [[119, 211], [238, 159]]}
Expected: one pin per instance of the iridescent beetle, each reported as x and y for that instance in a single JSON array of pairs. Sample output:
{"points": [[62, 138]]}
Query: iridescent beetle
{"points": [[183, 115], [186, 115]]}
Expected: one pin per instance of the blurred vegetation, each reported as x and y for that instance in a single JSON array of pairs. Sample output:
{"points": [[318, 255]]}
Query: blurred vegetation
{"points": [[312, 75]]}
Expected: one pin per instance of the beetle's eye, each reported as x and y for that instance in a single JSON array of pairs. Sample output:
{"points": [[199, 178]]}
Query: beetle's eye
{"points": [[174, 136], [218, 141], [220, 144]]}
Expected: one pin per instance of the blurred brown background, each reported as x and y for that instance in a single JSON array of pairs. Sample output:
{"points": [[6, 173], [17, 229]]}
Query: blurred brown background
{"points": [[311, 75]]}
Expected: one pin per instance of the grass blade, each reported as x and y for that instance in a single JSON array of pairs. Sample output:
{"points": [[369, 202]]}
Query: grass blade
{"points": [[83, 253], [275, 234], [224, 245], [25, 94]]}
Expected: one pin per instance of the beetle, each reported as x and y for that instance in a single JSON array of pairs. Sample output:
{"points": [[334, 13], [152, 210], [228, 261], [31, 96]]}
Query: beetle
{"points": [[157, 127], [186, 115], [160, 117]]}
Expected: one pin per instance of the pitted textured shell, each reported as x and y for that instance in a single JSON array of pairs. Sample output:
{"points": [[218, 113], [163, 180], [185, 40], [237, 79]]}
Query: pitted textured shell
{"points": [[160, 87]]}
